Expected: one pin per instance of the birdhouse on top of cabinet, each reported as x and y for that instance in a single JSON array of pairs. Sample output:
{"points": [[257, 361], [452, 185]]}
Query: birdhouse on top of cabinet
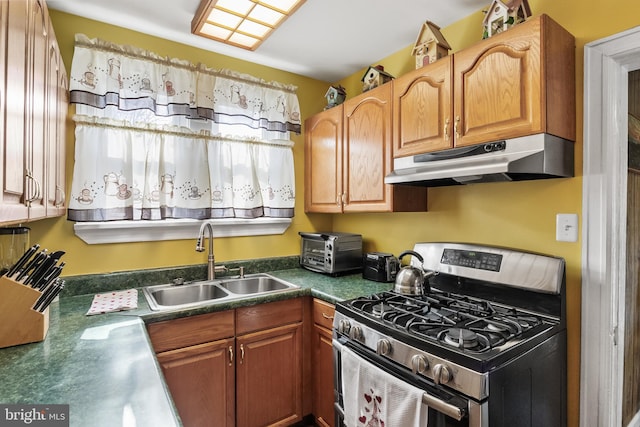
{"points": [[335, 96], [430, 45], [374, 77], [503, 15]]}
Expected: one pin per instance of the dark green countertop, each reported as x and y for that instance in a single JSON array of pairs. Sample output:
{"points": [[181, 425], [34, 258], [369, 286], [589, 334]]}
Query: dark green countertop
{"points": [[104, 366]]}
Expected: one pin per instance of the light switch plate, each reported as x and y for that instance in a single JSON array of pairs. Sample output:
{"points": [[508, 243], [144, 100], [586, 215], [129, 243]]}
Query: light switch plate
{"points": [[567, 227]]}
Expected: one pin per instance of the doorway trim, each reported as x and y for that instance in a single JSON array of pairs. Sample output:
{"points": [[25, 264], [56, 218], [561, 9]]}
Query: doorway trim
{"points": [[607, 63]]}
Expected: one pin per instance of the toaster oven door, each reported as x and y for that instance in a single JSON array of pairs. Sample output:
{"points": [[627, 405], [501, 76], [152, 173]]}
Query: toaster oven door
{"points": [[313, 255]]}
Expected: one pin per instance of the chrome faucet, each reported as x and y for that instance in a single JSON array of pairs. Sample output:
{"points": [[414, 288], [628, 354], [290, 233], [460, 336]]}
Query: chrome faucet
{"points": [[211, 269]]}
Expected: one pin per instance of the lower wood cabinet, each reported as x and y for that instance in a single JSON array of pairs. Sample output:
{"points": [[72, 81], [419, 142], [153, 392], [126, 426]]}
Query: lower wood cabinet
{"points": [[240, 367], [269, 382], [269, 364], [322, 356], [201, 379]]}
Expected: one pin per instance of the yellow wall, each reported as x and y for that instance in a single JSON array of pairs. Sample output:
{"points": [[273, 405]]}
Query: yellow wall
{"points": [[520, 215]]}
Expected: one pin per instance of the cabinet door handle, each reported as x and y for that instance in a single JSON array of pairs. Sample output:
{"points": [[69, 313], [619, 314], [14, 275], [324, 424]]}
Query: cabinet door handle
{"points": [[230, 355], [35, 189], [42, 17], [38, 189], [326, 316], [60, 201], [455, 127], [338, 200], [30, 197], [344, 198], [446, 129], [241, 353]]}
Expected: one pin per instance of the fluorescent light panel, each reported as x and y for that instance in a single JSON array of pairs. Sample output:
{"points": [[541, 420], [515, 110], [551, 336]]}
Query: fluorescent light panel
{"points": [[241, 23]]}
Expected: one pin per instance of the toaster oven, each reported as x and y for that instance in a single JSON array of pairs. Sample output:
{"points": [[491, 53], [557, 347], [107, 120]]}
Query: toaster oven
{"points": [[331, 253]]}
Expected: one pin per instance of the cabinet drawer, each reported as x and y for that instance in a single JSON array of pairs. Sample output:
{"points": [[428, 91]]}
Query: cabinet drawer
{"points": [[188, 331], [269, 315], [323, 313]]}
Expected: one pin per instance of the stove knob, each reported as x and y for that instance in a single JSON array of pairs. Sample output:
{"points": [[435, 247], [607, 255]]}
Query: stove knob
{"points": [[344, 326], [441, 374], [355, 333], [384, 347], [419, 364]]}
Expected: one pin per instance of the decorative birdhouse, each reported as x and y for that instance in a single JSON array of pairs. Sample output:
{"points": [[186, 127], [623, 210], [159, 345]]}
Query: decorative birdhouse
{"points": [[430, 45], [374, 77], [335, 96], [503, 15]]}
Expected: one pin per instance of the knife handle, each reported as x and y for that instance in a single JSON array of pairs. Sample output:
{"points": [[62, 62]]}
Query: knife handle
{"points": [[23, 260]]}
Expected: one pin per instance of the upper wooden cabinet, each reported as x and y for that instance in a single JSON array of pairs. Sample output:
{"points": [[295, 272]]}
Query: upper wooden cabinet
{"points": [[517, 83], [422, 107], [33, 109], [348, 153], [323, 161]]}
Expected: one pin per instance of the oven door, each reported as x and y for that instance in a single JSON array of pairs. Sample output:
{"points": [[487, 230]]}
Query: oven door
{"points": [[446, 408]]}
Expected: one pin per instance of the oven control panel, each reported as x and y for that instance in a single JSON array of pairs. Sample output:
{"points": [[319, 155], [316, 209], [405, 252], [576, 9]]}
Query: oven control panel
{"points": [[472, 259]]}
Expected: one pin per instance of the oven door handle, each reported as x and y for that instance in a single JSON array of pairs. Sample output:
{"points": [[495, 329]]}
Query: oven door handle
{"points": [[443, 407]]}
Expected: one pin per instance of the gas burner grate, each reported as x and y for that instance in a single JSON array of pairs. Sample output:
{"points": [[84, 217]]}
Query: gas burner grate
{"points": [[463, 322]]}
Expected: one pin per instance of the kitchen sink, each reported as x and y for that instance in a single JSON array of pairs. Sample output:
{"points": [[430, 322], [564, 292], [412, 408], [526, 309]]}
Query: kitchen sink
{"points": [[193, 294], [187, 294], [254, 285]]}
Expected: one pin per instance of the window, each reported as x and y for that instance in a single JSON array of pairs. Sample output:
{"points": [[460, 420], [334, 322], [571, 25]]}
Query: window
{"points": [[160, 139]]}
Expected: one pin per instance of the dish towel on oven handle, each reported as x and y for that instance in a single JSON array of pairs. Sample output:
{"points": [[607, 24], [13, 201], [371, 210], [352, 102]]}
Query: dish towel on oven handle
{"points": [[375, 398]]}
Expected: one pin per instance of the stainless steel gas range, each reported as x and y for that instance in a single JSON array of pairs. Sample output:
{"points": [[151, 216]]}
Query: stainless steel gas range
{"points": [[486, 344]]}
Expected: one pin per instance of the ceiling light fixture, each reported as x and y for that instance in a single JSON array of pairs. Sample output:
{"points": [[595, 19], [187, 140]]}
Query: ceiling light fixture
{"points": [[241, 23]]}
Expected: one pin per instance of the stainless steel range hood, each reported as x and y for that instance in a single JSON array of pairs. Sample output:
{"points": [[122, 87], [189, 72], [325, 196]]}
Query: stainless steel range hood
{"points": [[531, 157]]}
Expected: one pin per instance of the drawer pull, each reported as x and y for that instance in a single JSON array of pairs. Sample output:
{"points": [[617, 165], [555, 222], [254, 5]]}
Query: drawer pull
{"points": [[326, 316]]}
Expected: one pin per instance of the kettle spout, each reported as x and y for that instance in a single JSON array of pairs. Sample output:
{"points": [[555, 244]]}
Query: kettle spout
{"points": [[428, 274]]}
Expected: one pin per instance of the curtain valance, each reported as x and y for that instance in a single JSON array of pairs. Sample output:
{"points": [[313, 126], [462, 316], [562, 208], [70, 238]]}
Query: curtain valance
{"points": [[106, 74]]}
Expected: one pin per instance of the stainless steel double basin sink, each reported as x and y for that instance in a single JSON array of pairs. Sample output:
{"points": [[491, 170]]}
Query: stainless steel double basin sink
{"points": [[193, 294]]}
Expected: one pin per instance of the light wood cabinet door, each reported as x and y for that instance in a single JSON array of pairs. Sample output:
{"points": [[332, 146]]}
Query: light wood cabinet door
{"points": [[422, 109], [516, 83], [368, 157], [323, 162], [12, 206], [367, 151], [56, 131], [201, 379], [269, 377], [322, 357], [37, 54]]}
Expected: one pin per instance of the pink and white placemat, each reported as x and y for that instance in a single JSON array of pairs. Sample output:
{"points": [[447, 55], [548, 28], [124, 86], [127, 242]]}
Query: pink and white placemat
{"points": [[114, 301]]}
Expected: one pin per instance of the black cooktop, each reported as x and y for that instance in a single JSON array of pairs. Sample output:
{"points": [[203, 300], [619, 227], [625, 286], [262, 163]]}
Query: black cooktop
{"points": [[470, 331]]}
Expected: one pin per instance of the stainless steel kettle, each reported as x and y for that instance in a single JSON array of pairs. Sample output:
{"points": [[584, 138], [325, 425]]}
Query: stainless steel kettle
{"points": [[412, 280]]}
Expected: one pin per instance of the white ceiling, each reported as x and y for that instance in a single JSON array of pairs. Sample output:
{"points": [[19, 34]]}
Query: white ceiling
{"points": [[325, 39]]}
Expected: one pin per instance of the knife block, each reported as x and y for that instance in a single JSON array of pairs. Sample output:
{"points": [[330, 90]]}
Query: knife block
{"points": [[19, 322]]}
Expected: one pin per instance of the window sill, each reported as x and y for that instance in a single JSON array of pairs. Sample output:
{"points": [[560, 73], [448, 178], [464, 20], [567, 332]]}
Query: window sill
{"points": [[95, 233]]}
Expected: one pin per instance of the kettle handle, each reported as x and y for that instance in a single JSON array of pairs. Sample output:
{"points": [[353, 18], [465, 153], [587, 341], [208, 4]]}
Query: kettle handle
{"points": [[414, 253]]}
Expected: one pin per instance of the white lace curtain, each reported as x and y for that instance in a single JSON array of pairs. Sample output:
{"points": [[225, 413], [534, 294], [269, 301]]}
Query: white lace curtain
{"points": [[149, 143]]}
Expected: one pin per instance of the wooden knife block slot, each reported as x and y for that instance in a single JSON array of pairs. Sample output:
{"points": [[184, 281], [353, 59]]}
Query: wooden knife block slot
{"points": [[19, 322]]}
